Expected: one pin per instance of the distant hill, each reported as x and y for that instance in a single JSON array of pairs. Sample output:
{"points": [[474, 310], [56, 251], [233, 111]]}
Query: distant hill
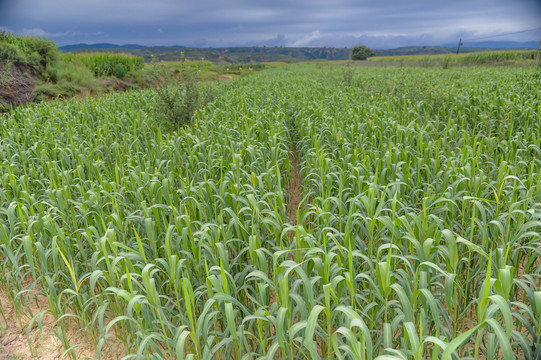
{"points": [[100, 46], [231, 55]]}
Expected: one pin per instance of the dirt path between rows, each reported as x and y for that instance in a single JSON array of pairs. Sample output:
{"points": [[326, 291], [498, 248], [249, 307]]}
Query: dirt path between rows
{"points": [[294, 187]]}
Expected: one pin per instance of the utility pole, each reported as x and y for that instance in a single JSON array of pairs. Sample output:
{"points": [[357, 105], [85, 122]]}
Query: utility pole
{"points": [[460, 43], [538, 49]]}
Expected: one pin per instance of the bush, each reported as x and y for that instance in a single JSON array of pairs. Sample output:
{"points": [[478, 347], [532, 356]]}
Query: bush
{"points": [[120, 70], [45, 49], [28, 50], [361, 52], [10, 52], [178, 102]]}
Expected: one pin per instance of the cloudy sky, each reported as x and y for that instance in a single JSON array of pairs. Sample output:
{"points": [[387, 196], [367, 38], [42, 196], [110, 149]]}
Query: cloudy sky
{"points": [[376, 23]]}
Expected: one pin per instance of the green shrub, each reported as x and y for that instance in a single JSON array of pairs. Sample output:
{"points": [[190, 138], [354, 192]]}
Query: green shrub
{"points": [[10, 52], [178, 102], [28, 50], [33, 60], [45, 49], [120, 70]]}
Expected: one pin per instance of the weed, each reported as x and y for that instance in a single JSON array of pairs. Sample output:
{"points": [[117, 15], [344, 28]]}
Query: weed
{"points": [[179, 99], [348, 74], [446, 63], [55, 90], [5, 77], [17, 356]]}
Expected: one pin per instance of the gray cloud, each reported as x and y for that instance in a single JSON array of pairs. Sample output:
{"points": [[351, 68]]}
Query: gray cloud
{"points": [[273, 23]]}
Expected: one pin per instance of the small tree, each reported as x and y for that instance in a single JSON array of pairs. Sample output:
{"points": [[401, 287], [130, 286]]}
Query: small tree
{"points": [[361, 52]]}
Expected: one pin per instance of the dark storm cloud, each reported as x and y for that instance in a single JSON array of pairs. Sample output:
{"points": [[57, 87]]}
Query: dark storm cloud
{"points": [[241, 22]]}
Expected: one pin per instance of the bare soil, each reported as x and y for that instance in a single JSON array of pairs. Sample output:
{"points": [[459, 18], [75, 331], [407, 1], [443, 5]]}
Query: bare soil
{"points": [[13, 340], [16, 85], [294, 188], [116, 84]]}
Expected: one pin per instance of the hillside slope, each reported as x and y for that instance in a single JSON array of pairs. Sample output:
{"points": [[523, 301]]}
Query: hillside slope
{"points": [[16, 85]]}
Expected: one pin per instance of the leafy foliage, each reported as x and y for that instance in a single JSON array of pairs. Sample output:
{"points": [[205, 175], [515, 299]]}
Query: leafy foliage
{"points": [[361, 52], [27, 50]]}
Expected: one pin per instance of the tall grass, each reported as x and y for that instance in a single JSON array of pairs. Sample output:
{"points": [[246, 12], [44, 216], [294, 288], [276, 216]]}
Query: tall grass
{"points": [[418, 234]]}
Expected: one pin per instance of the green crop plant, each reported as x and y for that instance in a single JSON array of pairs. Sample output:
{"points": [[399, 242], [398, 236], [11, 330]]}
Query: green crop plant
{"points": [[105, 64], [417, 236]]}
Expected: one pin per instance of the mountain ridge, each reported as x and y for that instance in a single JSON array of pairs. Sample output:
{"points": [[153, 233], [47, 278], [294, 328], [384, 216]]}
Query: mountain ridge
{"points": [[483, 44]]}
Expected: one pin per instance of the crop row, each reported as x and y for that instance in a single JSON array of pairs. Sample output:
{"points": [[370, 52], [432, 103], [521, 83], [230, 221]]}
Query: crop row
{"points": [[104, 64]]}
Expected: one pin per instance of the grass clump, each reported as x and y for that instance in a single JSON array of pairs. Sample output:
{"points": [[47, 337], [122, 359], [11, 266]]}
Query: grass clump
{"points": [[58, 90], [72, 70], [65, 78]]}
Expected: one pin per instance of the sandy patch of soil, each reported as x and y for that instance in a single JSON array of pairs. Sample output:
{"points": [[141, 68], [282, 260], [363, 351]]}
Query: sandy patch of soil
{"points": [[45, 346]]}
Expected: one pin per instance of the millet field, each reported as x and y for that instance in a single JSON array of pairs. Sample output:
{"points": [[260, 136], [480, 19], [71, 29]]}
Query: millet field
{"points": [[308, 212]]}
